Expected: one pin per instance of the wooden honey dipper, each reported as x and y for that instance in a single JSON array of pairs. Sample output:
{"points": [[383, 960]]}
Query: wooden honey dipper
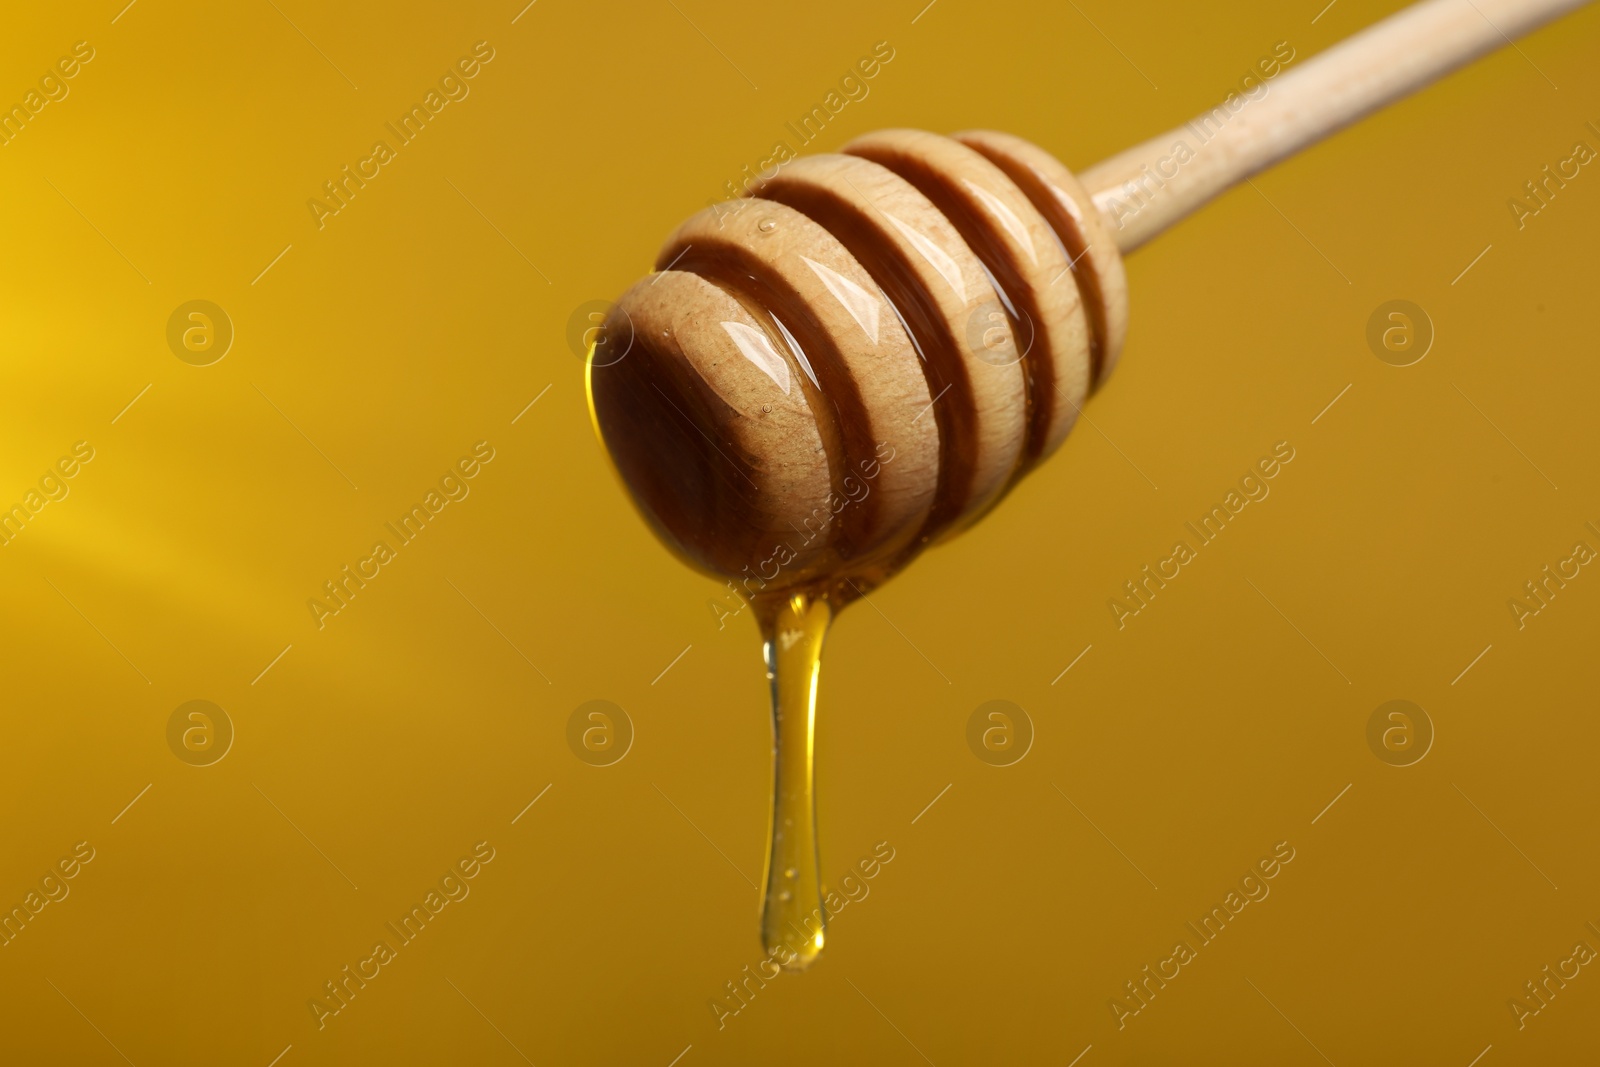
{"points": [[862, 357]]}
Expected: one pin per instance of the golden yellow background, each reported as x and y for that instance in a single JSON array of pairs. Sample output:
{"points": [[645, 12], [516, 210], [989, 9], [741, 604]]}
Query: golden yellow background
{"points": [[424, 717]]}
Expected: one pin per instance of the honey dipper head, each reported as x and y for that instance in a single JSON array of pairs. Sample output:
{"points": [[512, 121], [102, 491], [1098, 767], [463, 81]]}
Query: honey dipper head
{"points": [[860, 358]]}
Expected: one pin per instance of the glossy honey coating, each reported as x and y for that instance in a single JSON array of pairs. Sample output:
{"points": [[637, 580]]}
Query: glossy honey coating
{"points": [[860, 358], [1027, 265]]}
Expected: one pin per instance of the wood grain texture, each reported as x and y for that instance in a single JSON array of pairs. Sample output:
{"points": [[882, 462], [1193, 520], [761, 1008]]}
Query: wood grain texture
{"points": [[1040, 324], [858, 367], [709, 429], [938, 286], [1091, 248]]}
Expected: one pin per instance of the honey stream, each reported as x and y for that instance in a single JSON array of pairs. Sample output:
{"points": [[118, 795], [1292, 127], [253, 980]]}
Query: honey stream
{"points": [[792, 913]]}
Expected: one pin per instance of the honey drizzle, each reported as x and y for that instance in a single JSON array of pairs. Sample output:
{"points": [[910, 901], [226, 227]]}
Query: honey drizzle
{"points": [[793, 919]]}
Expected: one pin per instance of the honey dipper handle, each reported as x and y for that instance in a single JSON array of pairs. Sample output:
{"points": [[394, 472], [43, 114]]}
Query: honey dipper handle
{"points": [[1148, 188]]}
